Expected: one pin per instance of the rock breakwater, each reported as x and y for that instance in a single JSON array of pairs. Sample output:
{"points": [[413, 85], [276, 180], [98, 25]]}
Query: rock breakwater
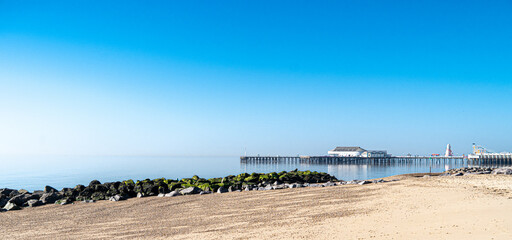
{"points": [[11, 199], [477, 170]]}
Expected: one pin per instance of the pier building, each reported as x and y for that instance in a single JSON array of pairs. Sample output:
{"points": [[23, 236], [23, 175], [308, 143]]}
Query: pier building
{"points": [[346, 152], [375, 154], [356, 152], [482, 154]]}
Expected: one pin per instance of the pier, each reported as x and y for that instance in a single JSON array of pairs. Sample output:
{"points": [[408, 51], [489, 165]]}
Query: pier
{"points": [[491, 159], [343, 155], [483, 161], [338, 159]]}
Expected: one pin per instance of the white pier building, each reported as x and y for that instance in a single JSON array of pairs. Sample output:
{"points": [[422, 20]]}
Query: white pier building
{"points": [[480, 153], [356, 152]]}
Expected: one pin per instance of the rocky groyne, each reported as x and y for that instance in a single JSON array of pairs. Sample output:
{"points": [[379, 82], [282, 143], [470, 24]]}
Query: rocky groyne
{"points": [[477, 171], [11, 199]]}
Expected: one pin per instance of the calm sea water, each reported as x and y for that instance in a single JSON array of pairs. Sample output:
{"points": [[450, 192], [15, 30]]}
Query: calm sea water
{"points": [[34, 173]]}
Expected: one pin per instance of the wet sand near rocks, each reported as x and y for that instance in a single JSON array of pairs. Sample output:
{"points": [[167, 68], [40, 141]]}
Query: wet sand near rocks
{"points": [[466, 207]]}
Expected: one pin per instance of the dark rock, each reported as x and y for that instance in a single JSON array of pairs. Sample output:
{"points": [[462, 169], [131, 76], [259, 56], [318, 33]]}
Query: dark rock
{"points": [[48, 189], [99, 195], [50, 198], [147, 187], [99, 188], [94, 182], [126, 190], [40, 192], [13, 194], [21, 199], [34, 203], [70, 193], [36, 195], [89, 201], [79, 188], [162, 190], [3, 202], [6, 191], [112, 188], [85, 194], [23, 191], [10, 206], [458, 174]]}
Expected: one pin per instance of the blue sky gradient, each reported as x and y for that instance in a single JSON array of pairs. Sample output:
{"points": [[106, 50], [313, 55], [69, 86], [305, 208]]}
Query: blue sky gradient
{"points": [[202, 78]]}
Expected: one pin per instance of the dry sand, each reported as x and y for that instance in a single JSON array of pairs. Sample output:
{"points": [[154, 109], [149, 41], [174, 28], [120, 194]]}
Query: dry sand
{"points": [[468, 207]]}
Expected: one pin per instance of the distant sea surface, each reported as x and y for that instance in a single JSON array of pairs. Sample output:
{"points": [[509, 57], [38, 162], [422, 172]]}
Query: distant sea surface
{"points": [[33, 173]]}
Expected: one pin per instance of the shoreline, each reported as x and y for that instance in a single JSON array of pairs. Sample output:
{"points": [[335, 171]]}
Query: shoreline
{"points": [[471, 207]]}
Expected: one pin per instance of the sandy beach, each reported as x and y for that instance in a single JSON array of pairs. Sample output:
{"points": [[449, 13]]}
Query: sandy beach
{"points": [[466, 207]]}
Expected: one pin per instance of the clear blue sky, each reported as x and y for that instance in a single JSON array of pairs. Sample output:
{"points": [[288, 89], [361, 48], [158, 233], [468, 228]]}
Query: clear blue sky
{"points": [[275, 77]]}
